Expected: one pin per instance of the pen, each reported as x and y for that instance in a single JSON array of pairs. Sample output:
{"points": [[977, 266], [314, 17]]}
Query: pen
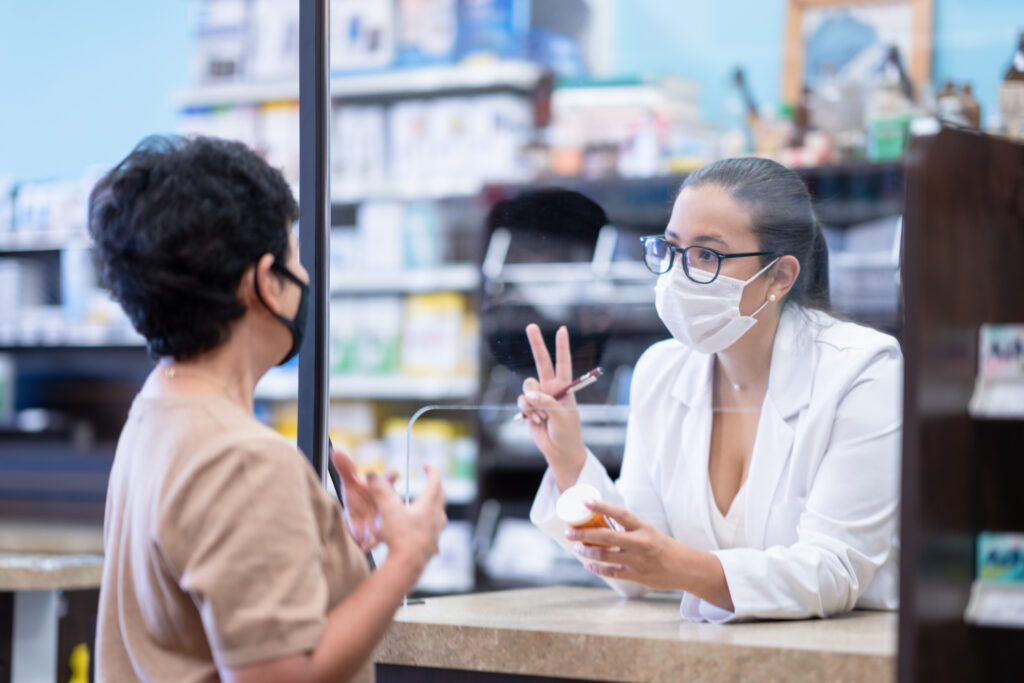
{"points": [[574, 386]]}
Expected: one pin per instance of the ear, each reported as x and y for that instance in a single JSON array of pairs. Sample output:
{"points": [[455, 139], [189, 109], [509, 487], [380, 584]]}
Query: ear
{"points": [[269, 284], [784, 275]]}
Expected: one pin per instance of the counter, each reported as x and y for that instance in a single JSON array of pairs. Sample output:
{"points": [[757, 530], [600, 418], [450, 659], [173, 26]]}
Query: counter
{"points": [[589, 633], [49, 579]]}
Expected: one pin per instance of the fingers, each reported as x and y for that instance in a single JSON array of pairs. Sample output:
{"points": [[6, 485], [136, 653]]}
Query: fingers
{"points": [[563, 359], [381, 490], [627, 519], [611, 571], [605, 555], [541, 357], [603, 537], [344, 464], [433, 493]]}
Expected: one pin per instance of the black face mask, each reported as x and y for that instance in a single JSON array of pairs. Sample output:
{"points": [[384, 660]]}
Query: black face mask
{"points": [[297, 326]]}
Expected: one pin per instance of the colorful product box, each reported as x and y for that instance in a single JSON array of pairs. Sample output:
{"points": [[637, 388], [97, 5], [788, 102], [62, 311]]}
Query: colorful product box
{"points": [[1001, 557]]}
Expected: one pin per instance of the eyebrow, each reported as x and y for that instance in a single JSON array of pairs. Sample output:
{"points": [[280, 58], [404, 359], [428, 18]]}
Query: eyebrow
{"points": [[699, 239]]}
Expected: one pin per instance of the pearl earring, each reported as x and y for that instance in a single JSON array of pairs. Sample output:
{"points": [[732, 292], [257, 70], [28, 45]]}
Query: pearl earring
{"points": [[771, 297]]}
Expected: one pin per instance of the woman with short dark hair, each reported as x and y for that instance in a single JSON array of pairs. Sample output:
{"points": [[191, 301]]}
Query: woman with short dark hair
{"points": [[761, 469], [224, 556]]}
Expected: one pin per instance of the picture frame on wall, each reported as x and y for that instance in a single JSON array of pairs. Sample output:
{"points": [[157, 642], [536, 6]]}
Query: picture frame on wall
{"points": [[850, 38]]}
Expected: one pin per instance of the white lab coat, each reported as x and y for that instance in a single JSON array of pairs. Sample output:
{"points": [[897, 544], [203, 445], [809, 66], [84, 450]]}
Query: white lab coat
{"points": [[823, 485]]}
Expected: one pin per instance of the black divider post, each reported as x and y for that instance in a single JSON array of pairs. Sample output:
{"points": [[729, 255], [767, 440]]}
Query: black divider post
{"points": [[314, 209]]}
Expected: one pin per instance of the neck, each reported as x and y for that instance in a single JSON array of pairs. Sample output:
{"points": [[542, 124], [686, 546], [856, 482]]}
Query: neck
{"points": [[747, 363], [228, 369]]}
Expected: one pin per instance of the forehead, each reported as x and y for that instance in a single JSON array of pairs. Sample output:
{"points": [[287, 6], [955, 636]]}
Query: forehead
{"points": [[709, 212]]}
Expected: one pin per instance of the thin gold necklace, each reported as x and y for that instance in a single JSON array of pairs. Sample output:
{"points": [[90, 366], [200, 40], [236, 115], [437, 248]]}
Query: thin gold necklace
{"points": [[173, 372]]}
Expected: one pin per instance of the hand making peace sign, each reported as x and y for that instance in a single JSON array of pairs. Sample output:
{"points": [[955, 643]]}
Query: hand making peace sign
{"points": [[554, 424]]}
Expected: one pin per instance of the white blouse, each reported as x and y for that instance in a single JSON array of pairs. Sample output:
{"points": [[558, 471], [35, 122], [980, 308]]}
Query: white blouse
{"points": [[729, 528]]}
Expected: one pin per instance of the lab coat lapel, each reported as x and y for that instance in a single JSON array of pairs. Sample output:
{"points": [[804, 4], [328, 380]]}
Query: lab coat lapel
{"points": [[789, 390], [693, 388]]}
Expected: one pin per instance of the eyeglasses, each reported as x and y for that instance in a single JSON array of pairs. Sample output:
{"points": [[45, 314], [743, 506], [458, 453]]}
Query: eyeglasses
{"points": [[701, 264]]}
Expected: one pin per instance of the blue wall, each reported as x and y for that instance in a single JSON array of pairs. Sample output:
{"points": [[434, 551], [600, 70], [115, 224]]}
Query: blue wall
{"points": [[705, 39], [84, 80]]}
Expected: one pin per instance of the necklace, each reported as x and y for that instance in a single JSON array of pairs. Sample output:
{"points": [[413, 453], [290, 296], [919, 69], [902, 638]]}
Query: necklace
{"points": [[172, 372]]}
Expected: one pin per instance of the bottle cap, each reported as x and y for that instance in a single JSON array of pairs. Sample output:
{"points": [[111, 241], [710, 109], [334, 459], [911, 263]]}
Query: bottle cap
{"points": [[570, 508]]}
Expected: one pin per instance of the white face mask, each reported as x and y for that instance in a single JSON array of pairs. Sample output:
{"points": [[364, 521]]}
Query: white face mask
{"points": [[705, 317]]}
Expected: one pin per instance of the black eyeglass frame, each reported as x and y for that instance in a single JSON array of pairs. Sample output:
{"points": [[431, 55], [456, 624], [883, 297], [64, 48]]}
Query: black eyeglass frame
{"points": [[673, 250]]}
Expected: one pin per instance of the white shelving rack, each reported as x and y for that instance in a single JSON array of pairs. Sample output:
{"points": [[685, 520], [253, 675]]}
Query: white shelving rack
{"points": [[430, 80]]}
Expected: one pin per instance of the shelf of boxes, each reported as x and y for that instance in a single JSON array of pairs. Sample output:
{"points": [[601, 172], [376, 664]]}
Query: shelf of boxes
{"points": [[30, 240], [282, 385], [459, 277], [428, 80]]}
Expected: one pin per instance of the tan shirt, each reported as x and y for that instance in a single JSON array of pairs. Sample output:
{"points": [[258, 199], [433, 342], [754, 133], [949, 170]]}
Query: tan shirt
{"points": [[221, 547]]}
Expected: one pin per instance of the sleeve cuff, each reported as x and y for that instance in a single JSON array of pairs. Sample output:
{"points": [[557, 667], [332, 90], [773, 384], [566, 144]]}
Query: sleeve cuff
{"points": [[693, 608]]}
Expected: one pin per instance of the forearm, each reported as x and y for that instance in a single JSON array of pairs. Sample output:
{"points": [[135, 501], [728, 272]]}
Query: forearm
{"points": [[700, 573], [356, 625]]}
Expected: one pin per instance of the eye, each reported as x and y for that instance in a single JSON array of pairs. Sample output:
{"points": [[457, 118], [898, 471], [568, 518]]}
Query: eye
{"points": [[705, 256]]}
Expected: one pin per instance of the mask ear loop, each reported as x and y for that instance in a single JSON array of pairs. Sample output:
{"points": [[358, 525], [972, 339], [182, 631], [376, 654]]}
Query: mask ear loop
{"points": [[757, 275]]}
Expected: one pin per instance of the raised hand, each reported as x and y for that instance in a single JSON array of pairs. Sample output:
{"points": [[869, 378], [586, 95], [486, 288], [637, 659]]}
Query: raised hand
{"points": [[554, 424], [361, 511], [411, 531]]}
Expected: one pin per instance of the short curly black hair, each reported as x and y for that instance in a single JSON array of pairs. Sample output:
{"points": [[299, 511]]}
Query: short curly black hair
{"points": [[175, 225]]}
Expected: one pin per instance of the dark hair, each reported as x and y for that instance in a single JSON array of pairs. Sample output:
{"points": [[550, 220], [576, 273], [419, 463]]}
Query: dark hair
{"points": [[175, 225], [549, 224], [782, 216]]}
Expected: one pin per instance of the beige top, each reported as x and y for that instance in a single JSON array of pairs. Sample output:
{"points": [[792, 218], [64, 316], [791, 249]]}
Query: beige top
{"points": [[222, 549]]}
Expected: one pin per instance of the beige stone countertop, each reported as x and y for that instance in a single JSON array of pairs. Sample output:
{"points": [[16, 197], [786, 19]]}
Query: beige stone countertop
{"points": [[47, 555], [36, 572], [590, 633]]}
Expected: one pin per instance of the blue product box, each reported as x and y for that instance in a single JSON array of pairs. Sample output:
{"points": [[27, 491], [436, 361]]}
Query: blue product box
{"points": [[494, 28], [1001, 557]]}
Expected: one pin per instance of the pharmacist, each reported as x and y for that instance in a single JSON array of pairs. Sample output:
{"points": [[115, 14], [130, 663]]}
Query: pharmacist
{"points": [[761, 467]]}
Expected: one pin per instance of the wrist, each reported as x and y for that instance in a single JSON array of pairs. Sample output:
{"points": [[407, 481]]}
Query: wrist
{"points": [[408, 563], [568, 470]]}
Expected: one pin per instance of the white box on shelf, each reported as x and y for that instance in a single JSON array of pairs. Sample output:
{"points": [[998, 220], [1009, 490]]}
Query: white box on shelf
{"points": [[996, 604], [362, 35], [273, 32], [219, 27], [279, 137], [381, 229], [999, 387], [409, 149]]}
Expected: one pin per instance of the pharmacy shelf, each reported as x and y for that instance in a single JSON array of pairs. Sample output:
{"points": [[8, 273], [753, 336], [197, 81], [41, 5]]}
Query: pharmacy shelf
{"points": [[995, 604], [457, 277], [282, 385], [51, 240], [433, 80], [422, 188], [71, 338]]}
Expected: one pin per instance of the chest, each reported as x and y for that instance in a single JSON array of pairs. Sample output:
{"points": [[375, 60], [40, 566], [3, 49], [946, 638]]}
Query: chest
{"points": [[732, 440], [709, 455]]}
